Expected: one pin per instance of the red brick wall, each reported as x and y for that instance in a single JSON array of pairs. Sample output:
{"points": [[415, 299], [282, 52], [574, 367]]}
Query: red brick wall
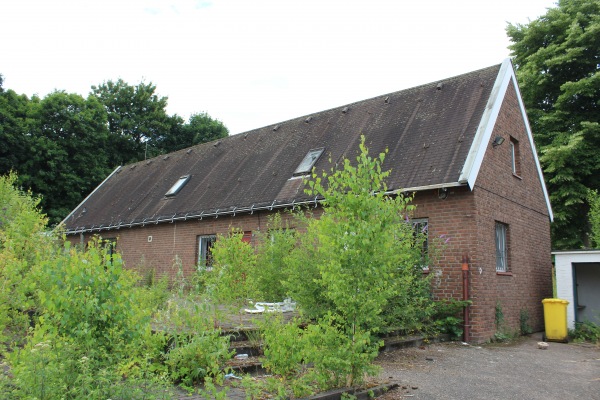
{"points": [[452, 234]]}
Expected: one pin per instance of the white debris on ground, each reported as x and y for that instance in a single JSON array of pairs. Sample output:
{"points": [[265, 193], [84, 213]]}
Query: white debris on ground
{"points": [[286, 305]]}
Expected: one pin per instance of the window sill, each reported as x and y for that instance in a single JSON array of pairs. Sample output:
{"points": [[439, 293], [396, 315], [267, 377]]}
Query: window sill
{"points": [[517, 176], [504, 273]]}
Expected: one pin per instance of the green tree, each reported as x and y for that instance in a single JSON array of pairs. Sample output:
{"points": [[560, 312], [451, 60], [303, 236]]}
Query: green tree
{"points": [[234, 261], [200, 128], [68, 151], [557, 61], [362, 251], [15, 140], [273, 249], [594, 200], [137, 118]]}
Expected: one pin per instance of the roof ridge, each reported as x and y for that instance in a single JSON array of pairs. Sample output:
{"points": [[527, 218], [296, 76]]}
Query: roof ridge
{"points": [[406, 90]]}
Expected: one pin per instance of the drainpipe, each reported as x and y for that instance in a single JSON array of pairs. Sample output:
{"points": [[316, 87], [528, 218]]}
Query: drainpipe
{"points": [[465, 274]]}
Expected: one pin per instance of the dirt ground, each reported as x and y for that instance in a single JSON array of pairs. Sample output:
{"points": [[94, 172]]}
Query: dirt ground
{"points": [[517, 370]]}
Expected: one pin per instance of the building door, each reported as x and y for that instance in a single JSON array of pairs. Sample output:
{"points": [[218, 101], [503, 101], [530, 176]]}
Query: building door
{"points": [[587, 292]]}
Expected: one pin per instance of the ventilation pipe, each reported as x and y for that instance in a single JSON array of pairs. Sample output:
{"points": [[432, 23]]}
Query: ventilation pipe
{"points": [[465, 274]]}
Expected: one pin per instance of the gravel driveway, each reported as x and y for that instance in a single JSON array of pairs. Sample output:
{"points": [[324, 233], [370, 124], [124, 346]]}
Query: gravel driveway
{"points": [[518, 370]]}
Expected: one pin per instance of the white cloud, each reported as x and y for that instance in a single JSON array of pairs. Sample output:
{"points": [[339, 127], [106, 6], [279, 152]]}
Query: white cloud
{"points": [[253, 63]]}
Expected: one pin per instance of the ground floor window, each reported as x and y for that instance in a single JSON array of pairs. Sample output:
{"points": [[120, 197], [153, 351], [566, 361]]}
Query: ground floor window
{"points": [[110, 246], [421, 233], [501, 247], [205, 245]]}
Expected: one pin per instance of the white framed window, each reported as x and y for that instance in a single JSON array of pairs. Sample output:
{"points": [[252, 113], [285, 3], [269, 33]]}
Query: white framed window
{"points": [[205, 245], [421, 232], [515, 156], [501, 247], [177, 186], [110, 245]]}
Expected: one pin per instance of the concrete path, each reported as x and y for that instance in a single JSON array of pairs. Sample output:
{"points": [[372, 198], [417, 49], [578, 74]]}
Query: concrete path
{"points": [[495, 371]]}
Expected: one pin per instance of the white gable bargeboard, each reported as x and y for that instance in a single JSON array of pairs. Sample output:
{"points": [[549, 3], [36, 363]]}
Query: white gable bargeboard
{"points": [[472, 165]]}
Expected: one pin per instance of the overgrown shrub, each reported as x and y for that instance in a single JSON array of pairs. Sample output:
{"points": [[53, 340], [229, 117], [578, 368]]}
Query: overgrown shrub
{"points": [[89, 298], [23, 242], [524, 326], [201, 355], [272, 269], [354, 270], [229, 282], [284, 349], [87, 322], [447, 317], [586, 331], [342, 354]]}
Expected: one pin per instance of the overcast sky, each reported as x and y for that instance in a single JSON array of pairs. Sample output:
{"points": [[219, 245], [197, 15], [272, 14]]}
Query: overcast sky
{"points": [[251, 63]]}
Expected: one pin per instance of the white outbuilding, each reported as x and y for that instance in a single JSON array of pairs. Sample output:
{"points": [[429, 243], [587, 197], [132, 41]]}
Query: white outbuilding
{"points": [[578, 282]]}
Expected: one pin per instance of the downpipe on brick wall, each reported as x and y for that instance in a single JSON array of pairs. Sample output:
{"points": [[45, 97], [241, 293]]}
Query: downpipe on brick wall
{"points": [[465, 273]]}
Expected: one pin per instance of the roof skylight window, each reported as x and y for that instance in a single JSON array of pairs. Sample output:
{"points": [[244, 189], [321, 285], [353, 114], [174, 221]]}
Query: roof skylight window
{"points": [[308, 162], [177, 186]]}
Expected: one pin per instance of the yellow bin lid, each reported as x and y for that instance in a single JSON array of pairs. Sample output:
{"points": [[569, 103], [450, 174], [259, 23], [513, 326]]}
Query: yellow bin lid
{"points": [[560, 301]]}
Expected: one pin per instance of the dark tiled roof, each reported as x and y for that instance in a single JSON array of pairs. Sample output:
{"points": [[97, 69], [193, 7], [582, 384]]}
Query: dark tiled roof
{"points": [[428, 130]]}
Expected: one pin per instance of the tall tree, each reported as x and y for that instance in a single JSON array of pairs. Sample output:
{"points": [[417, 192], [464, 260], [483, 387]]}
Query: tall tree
{"points": [[200, 128], [15, 141], [137, 117], [68, 155], [557, 59], [594, 199]]}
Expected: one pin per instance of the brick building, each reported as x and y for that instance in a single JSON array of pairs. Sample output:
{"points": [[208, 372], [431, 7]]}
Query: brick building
{"points": [[463, 145]]}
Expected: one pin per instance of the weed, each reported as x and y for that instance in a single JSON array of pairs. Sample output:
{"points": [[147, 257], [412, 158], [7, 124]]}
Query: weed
{"points": [[503, 333], [586, 331], [524, 322]]}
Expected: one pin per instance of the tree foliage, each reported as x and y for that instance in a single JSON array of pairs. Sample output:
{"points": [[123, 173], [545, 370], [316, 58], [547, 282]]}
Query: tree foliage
{"points": [[14, 139], [557, 58], [234, 262], [136, 115], [273, 250], [200, 128], [594, 200], [22, 238]]}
